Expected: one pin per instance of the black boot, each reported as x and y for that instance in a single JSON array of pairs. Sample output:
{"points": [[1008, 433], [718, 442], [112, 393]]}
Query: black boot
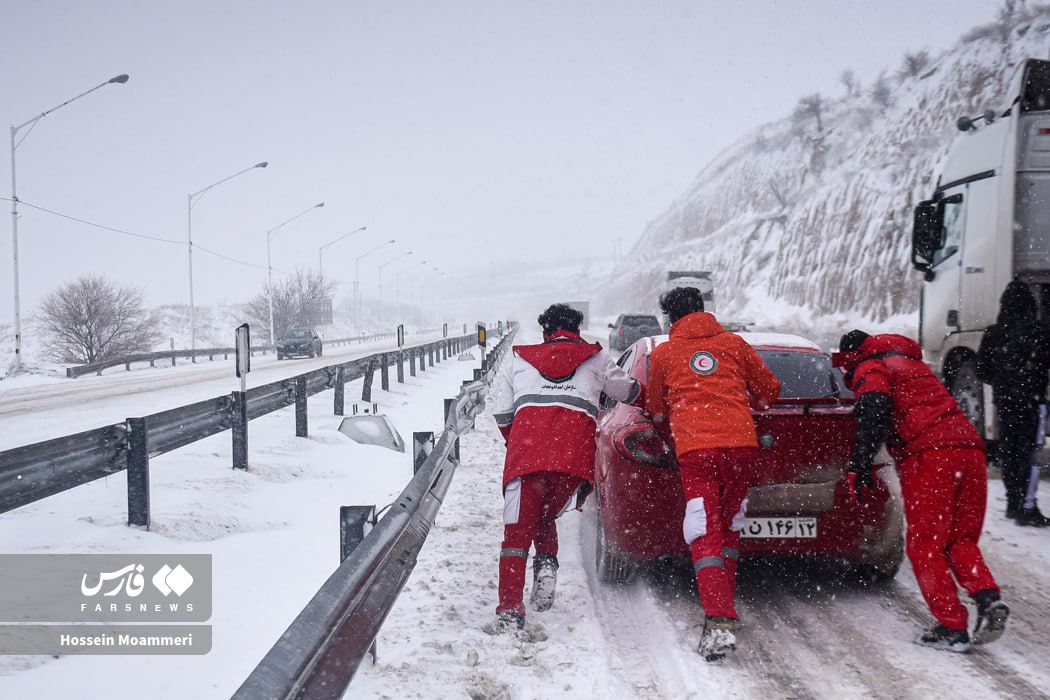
{"points": [[1033, 517], [992, 614], [940, 637]]}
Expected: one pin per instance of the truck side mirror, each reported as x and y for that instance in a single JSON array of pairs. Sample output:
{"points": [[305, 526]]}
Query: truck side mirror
{"points": [[927, 234]]}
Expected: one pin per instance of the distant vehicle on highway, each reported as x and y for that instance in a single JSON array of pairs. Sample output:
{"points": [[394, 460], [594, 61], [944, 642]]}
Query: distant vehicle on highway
{"points": [[799, 503], [630, 327], [303, 342]]}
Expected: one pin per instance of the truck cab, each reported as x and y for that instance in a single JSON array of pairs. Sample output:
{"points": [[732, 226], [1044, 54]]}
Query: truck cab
{"points": [[987, 222]]}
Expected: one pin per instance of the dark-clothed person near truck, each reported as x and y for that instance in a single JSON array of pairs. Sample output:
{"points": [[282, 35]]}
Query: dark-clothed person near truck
{"points": [[1014, 357]]}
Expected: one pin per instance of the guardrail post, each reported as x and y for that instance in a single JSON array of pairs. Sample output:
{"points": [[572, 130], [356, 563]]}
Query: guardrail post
{"points": [[384, 372], [412, 361], [339, 390], [239, 423], [300, 407], [354, 523], [422, 446], [430, 355], [138, 474], [366, 385], [449, 403], [422, 360], [400, 367]]}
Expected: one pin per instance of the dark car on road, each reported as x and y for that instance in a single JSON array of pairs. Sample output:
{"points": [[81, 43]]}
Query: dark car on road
{"points": [[303, 342], [630, 327], [798, 502]]}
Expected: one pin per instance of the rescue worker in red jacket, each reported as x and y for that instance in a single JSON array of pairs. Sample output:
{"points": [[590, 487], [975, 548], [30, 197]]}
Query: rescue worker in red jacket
{"points": [[547, 409], [703, 383], [944, 479]]}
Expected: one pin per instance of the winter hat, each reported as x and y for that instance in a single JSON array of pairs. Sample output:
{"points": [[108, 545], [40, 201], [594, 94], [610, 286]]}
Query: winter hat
{"points": [[1017, 302], [852, 341]]}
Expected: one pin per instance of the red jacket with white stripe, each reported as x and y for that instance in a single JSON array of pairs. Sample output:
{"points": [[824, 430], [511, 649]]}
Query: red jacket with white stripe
{"points": [[547, 407]]}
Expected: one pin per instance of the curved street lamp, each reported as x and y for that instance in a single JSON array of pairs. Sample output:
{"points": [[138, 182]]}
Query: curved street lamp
{"points": [[391, 260], [320, 250], [189, 242], [119, 79], [269, 268], [357, 275]]}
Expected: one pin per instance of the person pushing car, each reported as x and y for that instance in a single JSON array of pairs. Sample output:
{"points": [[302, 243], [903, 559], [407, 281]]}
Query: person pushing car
{"points": [[547, 410], [944, 479], [703, 383]]}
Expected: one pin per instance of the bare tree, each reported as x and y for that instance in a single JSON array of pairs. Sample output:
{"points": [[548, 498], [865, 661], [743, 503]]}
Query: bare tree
{"points": [[93, 319], [881, 92], [809, 107], [300, 300], [913, 64], [849, 79]]}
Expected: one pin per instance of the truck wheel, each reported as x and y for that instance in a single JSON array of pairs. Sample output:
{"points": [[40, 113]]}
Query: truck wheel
{"points": [[968, 392]]}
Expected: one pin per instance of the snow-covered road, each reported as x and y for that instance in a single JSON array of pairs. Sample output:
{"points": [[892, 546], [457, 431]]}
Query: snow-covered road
{"points": [[806, 631]]}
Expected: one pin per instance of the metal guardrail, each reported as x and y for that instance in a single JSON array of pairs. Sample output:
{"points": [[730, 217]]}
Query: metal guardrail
{"points": [[319, 653], [210, 353], [32, 472]]}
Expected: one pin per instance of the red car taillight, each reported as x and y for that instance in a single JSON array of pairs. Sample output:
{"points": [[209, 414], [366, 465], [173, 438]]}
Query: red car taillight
{"points": [[645, 446]]}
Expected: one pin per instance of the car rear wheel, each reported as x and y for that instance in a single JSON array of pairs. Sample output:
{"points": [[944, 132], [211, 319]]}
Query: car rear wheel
{"points": [[885, 570], [280, 356], [612, 565]]}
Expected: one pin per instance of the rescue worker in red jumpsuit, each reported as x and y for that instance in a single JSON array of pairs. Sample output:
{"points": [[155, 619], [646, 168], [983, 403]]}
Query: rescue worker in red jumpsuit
{"points": [[703, 383], [944, 479], [547, 410]]}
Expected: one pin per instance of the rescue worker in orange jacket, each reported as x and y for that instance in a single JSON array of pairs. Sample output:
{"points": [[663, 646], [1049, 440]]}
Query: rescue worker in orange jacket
{"points": [[703, 383], [944, 479]]}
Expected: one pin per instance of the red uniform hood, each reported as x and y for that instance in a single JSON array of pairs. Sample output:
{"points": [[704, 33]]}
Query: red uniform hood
{"points": [[876, 345], [697, 325], [560, 356]]}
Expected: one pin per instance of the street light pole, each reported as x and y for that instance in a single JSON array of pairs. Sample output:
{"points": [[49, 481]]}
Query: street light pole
{"points": [[122, 78], [269, 268], [320, 250], [381, 272], [357, 275], [189, 243], [397, 284]]}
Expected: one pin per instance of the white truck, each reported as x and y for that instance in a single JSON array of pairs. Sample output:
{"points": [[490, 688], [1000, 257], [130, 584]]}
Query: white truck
{"points": [[987, 222]]}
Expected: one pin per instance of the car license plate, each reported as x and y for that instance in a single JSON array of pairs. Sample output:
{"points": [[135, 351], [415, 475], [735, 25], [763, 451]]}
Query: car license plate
{"points": [[780, 528]]}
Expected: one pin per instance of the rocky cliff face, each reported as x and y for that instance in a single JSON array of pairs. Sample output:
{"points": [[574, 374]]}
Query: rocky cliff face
{"points": [[802, 223]]}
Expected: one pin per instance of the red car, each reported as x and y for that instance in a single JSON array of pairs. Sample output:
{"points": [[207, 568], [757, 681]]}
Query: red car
{"points": [[798, 502]]}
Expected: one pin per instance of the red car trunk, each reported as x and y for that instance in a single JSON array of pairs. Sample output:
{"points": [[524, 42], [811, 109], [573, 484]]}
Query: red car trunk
{"points": [[798, 502]]}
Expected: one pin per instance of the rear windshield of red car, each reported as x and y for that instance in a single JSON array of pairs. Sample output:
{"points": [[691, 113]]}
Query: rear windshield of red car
{"points": [[805, 375]]}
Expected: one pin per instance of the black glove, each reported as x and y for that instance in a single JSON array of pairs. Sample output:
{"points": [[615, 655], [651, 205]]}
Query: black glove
{"points": [[581, 494], [858, 475]]}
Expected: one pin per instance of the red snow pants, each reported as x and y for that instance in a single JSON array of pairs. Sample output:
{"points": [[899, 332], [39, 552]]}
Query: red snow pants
{"points": [[529, 514], [945, 495], [715, 489]]}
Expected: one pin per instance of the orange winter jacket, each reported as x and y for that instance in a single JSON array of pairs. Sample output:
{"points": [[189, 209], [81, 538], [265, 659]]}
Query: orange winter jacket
{"points": [[704, 381]]}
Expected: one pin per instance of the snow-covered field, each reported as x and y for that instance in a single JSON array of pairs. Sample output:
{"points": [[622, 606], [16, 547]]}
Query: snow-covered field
{"points": [[273, 535]]}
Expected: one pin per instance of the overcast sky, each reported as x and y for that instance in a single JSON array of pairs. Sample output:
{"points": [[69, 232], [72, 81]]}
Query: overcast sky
{"points": [[472, 133]]}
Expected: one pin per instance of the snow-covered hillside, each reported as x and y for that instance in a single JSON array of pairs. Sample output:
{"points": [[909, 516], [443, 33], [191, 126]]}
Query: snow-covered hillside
{"points": [[819, 219]]}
